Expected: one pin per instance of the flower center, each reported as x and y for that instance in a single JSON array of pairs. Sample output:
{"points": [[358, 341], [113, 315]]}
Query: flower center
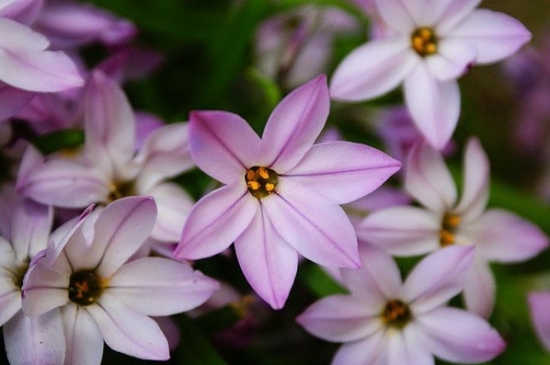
{"points": [[121, 189], [85, 287], [19, 275], [396, 314], [261, 181], [449, 226], [424, 41]]}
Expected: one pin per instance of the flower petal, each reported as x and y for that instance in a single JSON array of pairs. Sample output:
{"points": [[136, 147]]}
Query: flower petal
{"points": [[434, 105], [294, 125], [44, 289], [416, 232], [453, 59], [539, 302], [448, 13], [340, 318], [158, 286], [267, 261], [10, 301], [23, 11], [344, 171], [447, 269], [397, 15], [505, 237], [371, 350], [35, 340], [127, 331], [216, 221], [30, 228], [479, 289], [428, 180], [84, 341], [12, 100], [373, 69], [496, 35], [460, 337], [222, 144], [316, 228], [404, 348]]}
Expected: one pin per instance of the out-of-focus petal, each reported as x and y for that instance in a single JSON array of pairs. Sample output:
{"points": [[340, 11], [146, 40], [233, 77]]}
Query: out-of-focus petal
{"points": [[294, 125], [30, 228], [340, 318], [496, 35], [415, 232], [403, 348], [447, 269], [448, 13], [216, 221], [315, 227], [373, 69], [371, 350], [396, 14], [539, 302], [84, 341], [157, 286], [434, 105], [460, 337], [23, 11], [479, 289], [452, 60], [12, 100], [35, 340], [222, 144], [503, 236], [344, 171], [127, 331], [267, 261], [428, 180], [44, 289]]}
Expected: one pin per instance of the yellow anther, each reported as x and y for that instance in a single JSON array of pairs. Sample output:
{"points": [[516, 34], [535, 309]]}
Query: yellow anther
{"points": [[264, 174], [449, 225], [269, 187], [424, 41], [254, 185], [261, 181], [250, 175]]}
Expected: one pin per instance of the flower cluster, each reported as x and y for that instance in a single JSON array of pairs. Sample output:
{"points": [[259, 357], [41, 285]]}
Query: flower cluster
{"points": [[123, 228]]}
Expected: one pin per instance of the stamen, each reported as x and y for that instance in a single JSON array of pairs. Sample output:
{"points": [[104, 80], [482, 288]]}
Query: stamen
{"points": [[85, 287], [424, 41], [120, 190], [396, 314], [449, 225], [261, 181]]}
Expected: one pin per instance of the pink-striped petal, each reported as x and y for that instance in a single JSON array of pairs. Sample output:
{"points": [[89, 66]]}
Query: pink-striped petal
{"points": [[372, 350], [44, 289], [31, 227], [294, 125], [222, 144], [539, 302], [479, 289], [344, 171], [84, 341], [216, 221], [157, 286], [268, 263], [373, 69]]}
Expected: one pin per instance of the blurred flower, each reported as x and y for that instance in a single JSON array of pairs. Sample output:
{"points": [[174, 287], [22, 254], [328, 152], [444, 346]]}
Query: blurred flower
{"points": [[282, 192], [539, 302], [385, 321], [497, 234], [109, 168], [432, 45], [295, 46], [103, 296]]}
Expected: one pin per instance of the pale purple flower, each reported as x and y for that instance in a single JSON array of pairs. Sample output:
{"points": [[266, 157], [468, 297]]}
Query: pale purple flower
{"points": [[282, 193], [539, 302], [386, 322], [109, 167], [443, 220], [102, 296], [432, 44]]}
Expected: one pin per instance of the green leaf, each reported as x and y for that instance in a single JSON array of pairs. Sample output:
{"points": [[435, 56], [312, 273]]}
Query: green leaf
{"points": [[318, 280]]}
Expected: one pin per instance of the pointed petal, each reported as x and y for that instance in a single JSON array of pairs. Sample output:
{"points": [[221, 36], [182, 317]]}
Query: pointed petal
{"points": [[267, 261], [222, 144], [294, 125], [404, 348], [340, 318], [109, 122], [479, 289], [316, 228], [496, 35], [127, 331], [333, 169], [373, 69], [44, 289], [371, 350], [454, 58], [397, 15], [428, 180], [415, 232], [30, 228], [447, 269], [23, 11], [448, 13], [539, 302], [434, 105], [216, 221], [84, 341], [158, 286], [460, 337], [505, 237], [35, 340], [119, 232]]}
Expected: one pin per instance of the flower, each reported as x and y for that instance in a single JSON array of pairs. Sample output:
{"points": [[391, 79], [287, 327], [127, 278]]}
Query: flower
{"points": [[109, 166], [384, 321], [497, 234], [431, 44], [103, 296], [282, 192], [538, 307]]}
